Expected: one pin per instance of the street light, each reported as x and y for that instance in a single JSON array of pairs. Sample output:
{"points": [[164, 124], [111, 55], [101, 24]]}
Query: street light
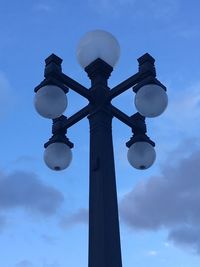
{"points": [[98, 52]]}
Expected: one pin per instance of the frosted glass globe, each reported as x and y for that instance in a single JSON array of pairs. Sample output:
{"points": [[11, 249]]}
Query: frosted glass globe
{"points": [[98, 44], [141, 155], [57, 156], [50, 101], [151, 100]]}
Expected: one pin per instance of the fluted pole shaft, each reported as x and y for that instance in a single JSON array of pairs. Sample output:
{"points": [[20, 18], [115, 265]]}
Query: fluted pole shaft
{"points": [[104, 236]]}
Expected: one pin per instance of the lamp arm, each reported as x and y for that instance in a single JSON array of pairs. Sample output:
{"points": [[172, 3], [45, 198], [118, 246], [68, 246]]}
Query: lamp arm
{"points": [[82, 113], [75, 86], [125, 85], [61, 124], [53, 70], [146, 68], [121, 116]]}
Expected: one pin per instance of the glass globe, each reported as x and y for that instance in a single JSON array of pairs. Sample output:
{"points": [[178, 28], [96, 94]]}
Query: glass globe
{"points": [[58, 156], [98, 44], [151, 100], [141, 155], [50, 101]]}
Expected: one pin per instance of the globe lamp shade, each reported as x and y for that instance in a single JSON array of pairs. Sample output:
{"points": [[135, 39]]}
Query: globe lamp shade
{"points": [[98, 44], [58, 156], [50, 101], [141, 155], [151, 100]]}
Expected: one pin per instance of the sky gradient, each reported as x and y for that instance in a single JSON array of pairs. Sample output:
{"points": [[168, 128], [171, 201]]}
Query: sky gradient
{"points": [[43, 214]]}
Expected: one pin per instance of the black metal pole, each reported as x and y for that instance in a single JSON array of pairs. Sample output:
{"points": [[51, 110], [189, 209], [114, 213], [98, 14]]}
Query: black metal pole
{"points": [[104, 237]]}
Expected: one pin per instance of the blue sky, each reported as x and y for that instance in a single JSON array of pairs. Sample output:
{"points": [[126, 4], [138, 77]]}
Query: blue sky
{"points": [[43, 214]]}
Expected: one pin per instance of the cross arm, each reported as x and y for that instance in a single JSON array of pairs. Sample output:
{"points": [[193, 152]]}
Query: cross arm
{"points": [[65, 123], [125, 85], [121, 116], [146, 69], [75, 86], [77, 117]]}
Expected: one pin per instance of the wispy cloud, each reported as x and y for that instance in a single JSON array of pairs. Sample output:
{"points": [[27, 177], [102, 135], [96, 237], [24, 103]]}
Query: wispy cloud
{"points": [[110, 7], [48, 239], [78, 217], [163, 10], [178, 124], [24, 159], [43, 7], [159, 10], [2, 222], [184, 104], [188, 32], [51, 264], [24, 263], [7, 96]]}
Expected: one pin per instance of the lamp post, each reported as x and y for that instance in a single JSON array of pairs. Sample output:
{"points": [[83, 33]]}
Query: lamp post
{"points": [[98, 52]]}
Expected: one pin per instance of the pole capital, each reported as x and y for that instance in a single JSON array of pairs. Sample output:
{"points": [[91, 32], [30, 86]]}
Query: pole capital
{"points": [[146, 65], [53, 65], [98, 68]]}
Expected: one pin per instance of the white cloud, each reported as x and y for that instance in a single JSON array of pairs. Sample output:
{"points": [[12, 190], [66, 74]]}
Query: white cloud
{"points": [[152, 253], [166, 244]]}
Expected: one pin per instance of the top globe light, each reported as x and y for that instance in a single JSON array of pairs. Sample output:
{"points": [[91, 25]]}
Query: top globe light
{"points": [[98, 44]]}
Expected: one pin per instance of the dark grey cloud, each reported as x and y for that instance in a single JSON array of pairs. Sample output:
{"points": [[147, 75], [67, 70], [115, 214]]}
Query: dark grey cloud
{"points": [[186, 236], [25, 190], [78, 217], [169, 201]]}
